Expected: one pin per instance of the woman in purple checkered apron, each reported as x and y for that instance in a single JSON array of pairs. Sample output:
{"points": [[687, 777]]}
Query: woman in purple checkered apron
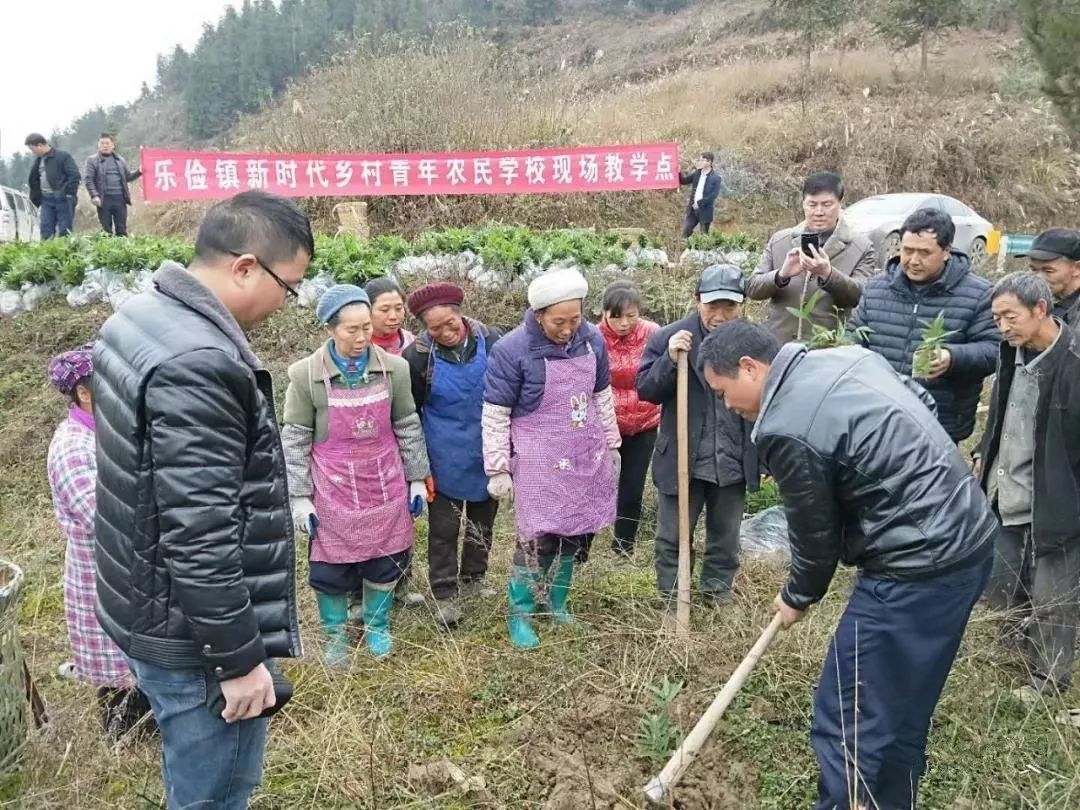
{"points": [[551, 444], [355, 456], [72, 468]]}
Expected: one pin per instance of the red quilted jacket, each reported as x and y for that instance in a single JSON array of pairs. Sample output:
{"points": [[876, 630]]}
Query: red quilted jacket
{"points": [[625, 355]]}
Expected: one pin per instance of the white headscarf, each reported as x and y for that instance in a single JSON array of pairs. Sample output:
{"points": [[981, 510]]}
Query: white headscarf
{"points": [[556, 286]]}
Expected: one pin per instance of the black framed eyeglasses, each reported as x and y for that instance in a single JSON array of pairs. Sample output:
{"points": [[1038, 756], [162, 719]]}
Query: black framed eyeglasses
{"points": [[288, 288]]}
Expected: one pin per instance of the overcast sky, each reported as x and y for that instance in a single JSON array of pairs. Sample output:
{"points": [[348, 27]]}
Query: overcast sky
{"points": [[63, 57]]}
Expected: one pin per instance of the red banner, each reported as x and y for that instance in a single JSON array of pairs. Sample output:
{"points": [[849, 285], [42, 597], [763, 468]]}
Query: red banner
{"points": [[174, 175]]}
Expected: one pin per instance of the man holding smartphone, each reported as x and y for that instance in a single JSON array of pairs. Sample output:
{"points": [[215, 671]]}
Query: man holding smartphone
{"points": [[821, 254], [195, 554]]}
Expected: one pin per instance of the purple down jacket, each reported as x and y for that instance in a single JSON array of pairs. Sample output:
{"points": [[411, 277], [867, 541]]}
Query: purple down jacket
{"points": [[516, 369]]}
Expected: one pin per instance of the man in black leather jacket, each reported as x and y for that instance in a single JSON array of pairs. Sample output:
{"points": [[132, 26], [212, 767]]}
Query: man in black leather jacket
{"points": [[869, 478], [195, 557]]}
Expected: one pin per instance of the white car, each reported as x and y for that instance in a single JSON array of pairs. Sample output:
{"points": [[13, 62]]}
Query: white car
{"points": [[19, 220], [881, 216]]}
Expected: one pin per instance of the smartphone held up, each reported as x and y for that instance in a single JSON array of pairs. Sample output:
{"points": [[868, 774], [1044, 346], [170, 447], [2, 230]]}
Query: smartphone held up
{"points": [[809, 243]]}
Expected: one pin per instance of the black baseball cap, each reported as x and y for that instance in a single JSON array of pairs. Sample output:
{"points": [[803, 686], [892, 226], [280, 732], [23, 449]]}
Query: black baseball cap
{"points": [[1056, 243], [721, 282]]}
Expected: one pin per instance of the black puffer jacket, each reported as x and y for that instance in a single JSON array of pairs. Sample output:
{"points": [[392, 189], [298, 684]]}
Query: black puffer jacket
{"points": [[195, 557], [897, 312], [867, 477]]}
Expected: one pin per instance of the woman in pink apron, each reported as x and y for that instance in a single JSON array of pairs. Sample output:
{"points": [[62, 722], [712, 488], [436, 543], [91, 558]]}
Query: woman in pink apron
{"points": [[551, 442], [356, 463]]}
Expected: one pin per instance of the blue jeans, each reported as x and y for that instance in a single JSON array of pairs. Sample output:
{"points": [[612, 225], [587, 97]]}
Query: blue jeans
{"points": [[902, 637], [57, 215], [205, 762]]}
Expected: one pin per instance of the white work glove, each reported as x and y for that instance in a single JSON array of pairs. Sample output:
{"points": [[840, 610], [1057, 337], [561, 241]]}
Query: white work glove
{"points": [[616, 461], [501, 487], [417, 498], [302, 510]]}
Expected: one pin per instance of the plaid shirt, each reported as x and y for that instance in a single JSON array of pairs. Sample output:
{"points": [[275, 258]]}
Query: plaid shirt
{"points": [[72, 480]]}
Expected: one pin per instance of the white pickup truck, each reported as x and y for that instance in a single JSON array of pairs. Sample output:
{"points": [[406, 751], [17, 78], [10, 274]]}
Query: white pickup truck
{"points": [[19, 219]]}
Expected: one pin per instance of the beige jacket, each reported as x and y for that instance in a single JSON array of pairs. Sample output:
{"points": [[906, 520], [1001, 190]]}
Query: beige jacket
{"points": [[852, 258]]}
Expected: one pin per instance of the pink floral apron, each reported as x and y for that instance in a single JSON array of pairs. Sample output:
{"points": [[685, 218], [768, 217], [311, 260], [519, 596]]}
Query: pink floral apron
{"points": [[361, 496], [564, 483]]}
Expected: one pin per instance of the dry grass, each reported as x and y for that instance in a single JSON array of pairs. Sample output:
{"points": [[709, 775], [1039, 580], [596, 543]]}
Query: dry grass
{"points": [[713, 77], [553, 729], [729, 87], [868, 117]]}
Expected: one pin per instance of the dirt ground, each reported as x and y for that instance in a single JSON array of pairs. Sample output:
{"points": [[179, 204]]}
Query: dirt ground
{"points": [[461, 720]]}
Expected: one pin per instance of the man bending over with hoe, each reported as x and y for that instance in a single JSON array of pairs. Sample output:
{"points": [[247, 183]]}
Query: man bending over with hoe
{"points": [[869, 478]]}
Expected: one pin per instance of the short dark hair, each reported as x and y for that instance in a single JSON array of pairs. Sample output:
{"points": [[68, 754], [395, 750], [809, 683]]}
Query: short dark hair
{"points": [[732, 340], [35, 139], [620, 296], [271, 227], [74, 392], [1028, 287], [823, 183], [108, 135], [709, 156], [931, 220], [382, 286]]}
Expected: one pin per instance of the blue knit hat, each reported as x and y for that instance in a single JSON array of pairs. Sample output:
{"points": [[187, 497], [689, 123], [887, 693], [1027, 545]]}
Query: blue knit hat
{"points": [[337, 298]]}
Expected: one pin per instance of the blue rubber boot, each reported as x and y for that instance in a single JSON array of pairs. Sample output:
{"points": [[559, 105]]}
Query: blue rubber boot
{"points": [[333, 616], [378, 600], [522, 605], [559, 592]]}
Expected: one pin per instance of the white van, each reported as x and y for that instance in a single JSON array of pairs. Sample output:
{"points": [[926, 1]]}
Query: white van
{"points": [[19, 219]]}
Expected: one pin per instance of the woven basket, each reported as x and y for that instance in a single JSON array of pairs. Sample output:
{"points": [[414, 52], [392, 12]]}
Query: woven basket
{"points": [[13, 704]]}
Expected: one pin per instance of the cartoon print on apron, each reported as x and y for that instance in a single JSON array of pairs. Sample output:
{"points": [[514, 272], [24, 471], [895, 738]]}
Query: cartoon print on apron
{"points": [[564, 481]]}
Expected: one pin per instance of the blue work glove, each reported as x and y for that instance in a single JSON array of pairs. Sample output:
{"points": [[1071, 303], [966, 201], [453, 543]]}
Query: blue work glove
{"points": [[417, 498]]}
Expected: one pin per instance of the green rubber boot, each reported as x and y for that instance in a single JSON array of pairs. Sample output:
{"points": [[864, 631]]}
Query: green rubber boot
{"points": [[559, 592], [333, 616], [378, 600], [522, 605]]}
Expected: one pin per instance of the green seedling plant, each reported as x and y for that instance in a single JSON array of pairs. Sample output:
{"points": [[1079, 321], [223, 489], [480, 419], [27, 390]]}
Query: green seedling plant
{"points": [[347, 257], [658, 735], [820, 337], [804, 314], [823, 338], [934, 336]]}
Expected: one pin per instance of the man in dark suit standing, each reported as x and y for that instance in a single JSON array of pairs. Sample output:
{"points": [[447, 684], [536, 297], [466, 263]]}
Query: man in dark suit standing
{"points": [[54, 181], [706, 185]]}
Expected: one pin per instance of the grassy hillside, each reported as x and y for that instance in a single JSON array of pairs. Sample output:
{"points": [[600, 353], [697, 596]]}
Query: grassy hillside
{"points": [[713, 76], [559, 728]]}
